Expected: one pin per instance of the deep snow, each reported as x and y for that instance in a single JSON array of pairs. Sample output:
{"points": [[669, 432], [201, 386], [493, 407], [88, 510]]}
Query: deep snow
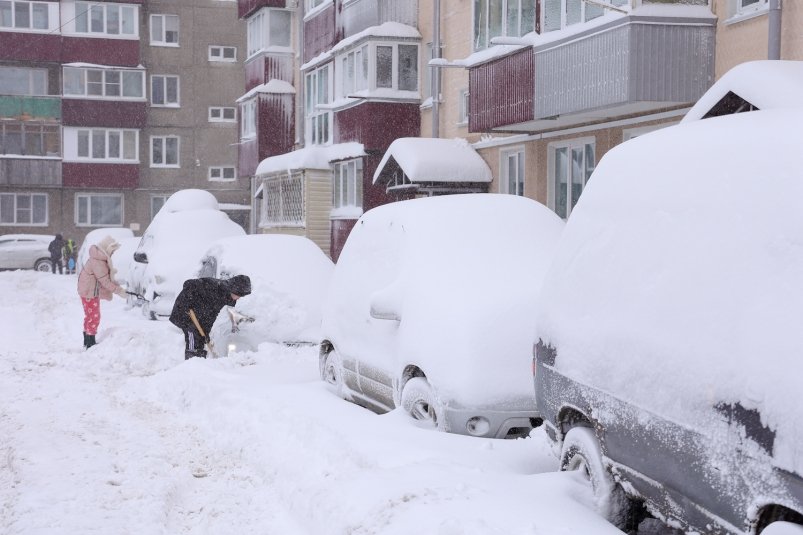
{"points": [[130, 438]]}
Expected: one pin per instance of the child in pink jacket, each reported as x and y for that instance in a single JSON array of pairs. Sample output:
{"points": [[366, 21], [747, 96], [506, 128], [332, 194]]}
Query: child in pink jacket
{"points": [[96, 282]]}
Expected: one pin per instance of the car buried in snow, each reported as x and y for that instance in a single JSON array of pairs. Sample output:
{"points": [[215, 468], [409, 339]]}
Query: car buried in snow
{"points": [[429, 310], [668, 358]]}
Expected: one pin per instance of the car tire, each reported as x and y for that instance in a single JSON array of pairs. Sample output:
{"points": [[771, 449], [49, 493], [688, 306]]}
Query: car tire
{"points": [[419, 401], [581, 452], [44, 265], [783, 528], [332, 373]]}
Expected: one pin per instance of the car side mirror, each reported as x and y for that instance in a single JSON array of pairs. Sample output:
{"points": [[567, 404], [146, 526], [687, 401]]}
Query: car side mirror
{"points": [[142, 258], [386, 303]]}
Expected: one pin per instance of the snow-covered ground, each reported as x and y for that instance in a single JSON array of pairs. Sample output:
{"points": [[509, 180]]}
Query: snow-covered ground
{"points": [[129, 438]]}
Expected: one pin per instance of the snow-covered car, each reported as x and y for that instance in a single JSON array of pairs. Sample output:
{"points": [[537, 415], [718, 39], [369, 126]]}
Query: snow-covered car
{"points": [[25, 251], [289, 278], [172, 245], [430, 309], [94, 237], [668, 360], [123, 259]]}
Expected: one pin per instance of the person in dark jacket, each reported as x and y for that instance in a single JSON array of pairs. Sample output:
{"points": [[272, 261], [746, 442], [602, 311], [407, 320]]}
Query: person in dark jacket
{"points": [[205, 297], [56, 251]]}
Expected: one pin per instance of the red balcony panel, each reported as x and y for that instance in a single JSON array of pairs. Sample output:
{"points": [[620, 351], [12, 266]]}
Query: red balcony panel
{"points": [[341, 228], [319, 33], [267, 67], [377, 124], [108, 113], [247, 7], [276, 127], [120, 52], [248, 157], [24, 46], [100, 175], [502, 92]]}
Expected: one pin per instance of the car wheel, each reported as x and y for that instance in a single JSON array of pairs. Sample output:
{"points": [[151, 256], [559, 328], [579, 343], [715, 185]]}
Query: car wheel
{"points": [[419, 401], [44, 265], [783, 528], [333, 372], [581, 453]]}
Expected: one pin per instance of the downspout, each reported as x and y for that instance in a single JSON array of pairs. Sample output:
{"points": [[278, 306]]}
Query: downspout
{"points": [[774, 37], [435, 82], [300, 96]]}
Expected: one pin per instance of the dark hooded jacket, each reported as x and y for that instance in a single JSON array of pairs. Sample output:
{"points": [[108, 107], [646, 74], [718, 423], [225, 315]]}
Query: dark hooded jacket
{"points": [[206, 296], [56, 247]]}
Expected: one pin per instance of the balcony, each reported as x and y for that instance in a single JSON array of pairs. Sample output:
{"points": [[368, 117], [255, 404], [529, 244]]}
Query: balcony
{"points": [[108, 113], [246, 8], [361, 14], [27, 171], [121, 52], [319, 32], [26, 108], [30, 46], [632, 65], [100, 175]]}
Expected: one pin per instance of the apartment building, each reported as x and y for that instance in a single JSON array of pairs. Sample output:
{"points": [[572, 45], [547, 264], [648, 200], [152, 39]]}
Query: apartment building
{"points": [[107, 108]]}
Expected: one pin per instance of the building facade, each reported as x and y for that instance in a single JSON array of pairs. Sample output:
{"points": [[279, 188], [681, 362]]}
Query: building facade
{"points": [[107, 108]]}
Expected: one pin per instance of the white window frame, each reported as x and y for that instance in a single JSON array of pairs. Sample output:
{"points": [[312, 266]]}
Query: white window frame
{"points": [[217, 173], [354, 72], [462, 107], [164, 140], [83, 73], [367, 66], [129, 12], [48, 134], [481, 21], [347, 185], [754, 7], [16, 209], [258, 32], [163, 80], [569, 145], [587, 12], [31, 7], [248, 119], [317, 115], [217, 53], [161, 40], [506, 157], [73, 150], [88, 196], [220, 111], [394, 86]]}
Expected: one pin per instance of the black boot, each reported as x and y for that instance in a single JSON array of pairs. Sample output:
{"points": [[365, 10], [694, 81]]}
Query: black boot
{"points": [[89, 340]]}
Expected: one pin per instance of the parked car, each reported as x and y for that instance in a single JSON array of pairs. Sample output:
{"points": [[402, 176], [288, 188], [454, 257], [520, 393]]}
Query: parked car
{"points": [[289, 277], [94, 237], [25, 251], [430, 308], [668, 363], [172, 246]]}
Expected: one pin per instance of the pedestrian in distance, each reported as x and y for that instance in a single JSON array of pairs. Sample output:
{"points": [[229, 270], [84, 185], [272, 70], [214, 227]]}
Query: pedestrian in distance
{"points": [[96, 282], [198, 305], [56, 251], [69, 256]]}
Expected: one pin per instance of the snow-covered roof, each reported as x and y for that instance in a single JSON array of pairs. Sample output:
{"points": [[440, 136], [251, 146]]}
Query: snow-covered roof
{"points": [[273, 86], [233, 206], [313, 157], [764, 84], [436, 160]]}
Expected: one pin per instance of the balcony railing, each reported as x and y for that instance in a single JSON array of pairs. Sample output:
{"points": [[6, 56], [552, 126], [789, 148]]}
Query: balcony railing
{"points": [[284, 201], [26, 107]]}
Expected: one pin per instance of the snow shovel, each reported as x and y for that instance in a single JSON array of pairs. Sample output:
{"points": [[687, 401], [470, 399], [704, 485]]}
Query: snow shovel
{"points": [[139, 297], [209, 345], [237, 318]]}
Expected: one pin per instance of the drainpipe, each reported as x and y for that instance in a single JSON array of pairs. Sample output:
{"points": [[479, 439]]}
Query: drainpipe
{"points": [[300, 96], [436, 86], [774, 40]]}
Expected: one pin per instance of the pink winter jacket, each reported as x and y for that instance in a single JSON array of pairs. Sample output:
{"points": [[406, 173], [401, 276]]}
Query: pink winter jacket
{"points": [[95, 280]]}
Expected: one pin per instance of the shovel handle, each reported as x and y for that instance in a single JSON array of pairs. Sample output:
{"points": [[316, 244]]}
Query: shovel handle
{"points": [[197, 324]]}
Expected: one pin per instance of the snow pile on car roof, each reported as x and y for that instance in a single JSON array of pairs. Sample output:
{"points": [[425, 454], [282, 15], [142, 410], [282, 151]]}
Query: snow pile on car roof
{"points": [[677, 284]]}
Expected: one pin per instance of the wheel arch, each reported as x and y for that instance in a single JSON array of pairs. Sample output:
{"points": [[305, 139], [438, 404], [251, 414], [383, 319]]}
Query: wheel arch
{"points": [[571, 416]]}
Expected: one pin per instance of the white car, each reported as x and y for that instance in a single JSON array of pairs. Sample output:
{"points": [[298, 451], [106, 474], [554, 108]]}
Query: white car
{"points": [[289, 275], [26, 251], [172, 246], [430, 310]]}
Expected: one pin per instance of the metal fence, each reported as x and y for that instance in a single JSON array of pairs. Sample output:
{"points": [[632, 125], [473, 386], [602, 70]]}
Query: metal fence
{"points": [[283, 201]]}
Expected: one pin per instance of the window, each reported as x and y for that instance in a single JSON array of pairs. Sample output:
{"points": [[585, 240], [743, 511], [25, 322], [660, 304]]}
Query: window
{"points": [[318, 93], [24, 15], [23, 81], [511, 176], [103, 83], [377, 66], [223, 53], [354, 71], [99, 210], [495, 18], [164, 30], [750, 6], [106, 19], [157, 201], [426, 74], [557, 14], [312, 4], [164, 151], [23, 209], [29, 138], [248, 118], [101, 144], [572, 165], [268, 28], [222, 173], [462, 110], [222, 115], [347, 187], [164, 91]]}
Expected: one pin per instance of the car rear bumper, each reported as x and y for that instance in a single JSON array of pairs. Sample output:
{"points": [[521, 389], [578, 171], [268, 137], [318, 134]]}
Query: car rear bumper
{"points": [[512, 423]]}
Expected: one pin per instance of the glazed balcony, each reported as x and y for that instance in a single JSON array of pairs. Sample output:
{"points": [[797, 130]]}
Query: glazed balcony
{"points": [[635, 64], [361, 14], [246, 8]]}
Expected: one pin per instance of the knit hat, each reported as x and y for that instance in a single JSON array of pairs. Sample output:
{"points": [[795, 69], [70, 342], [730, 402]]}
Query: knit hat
{"points": [[108, 245], [240, 285]]}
